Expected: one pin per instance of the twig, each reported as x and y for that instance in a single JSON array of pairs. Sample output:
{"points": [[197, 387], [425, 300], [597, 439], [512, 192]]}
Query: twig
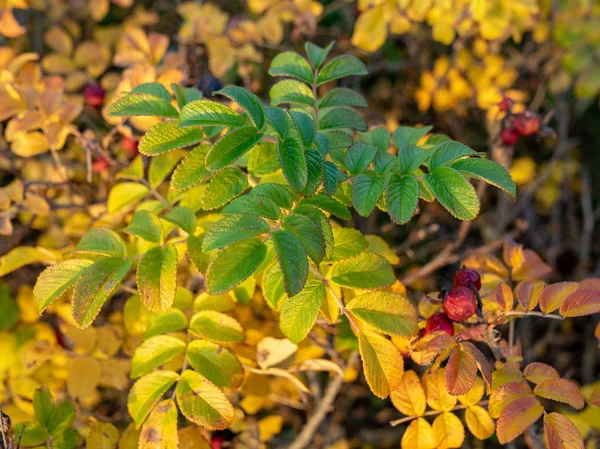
{"points": [[532, 313], [306, 435]]}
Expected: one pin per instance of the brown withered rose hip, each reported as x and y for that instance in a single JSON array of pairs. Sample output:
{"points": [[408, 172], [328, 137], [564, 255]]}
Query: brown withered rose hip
{"points": [[510, 136], [465, 277], [438, 322], [94, 95], [460, 303]]}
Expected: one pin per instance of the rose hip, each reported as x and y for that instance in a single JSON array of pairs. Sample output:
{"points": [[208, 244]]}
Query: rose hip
{"points": [[100, 165], [94, 95], [438, 322], [465, 277], [527, 123], [460, 303], [510, 136]]}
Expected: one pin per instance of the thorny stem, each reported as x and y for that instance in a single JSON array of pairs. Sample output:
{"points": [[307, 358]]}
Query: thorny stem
{"points": [[434, 412], [337, 299]]}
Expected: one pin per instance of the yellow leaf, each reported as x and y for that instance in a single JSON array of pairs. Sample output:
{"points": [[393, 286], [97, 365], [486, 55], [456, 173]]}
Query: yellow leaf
{"points": [[272, 351], [418, 435], [448, 431], [370, 30], [29, 144], [554, 295], [269, 426], [382, 363], [409, 398], [190, 437], [479, 422], [160, 429], [25, 255], [561, 390], [561, 433], [102, 436], [84, 377], [517, 417], [9, 26], [503, 395], [475, 394], [461, 371], [58, 40], [438, 397]]}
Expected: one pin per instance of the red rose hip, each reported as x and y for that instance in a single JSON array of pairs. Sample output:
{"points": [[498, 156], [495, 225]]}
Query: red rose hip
{"points": [[510, 136], [438, 322], [527, 123], [94, 95], [460, 303], [465, 277], [100, 165]]}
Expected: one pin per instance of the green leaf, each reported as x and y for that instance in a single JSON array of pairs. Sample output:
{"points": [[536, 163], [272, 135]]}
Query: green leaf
{"points": [[154, 88], [402, 197], [378, 137], [56, 280], [366, 190], [231, 229], [166, 136], [299, 313], [231, 147], [248, 101], [411, 157], [347, 243], [160, 429], [310, 234], [453, 192], [9, 307], [253, 204], [292, 92], [330, 205], [156, 277], [182, 217], [216, 326], [281, 194], [192, 169], [343, 117], [125, 194], [154, 352], [66, 440], [323, 144], [293, 162], [389, 313], [262, 159], [162, 165], [202, 402], [272, 286], [208, 113], [341, 67], [331, 177], [146, 392], [342, 96], [61, 418], [198, 257], [223, 187], [319, 217], [292, 260], [305, 126], [161, 323], [487, 171], [382, 363], [232, 265], [314, 163], [30, 433], [405, 135], [101, 241], [185, 95], [95, 286], [316, 55], [279, 121], [43, 406], [359, 157], [339, 138], [215, 363], [134, 171], [291, 64], [142, 104], [447, 152], [367, 270], [146, 225], [384, 162]]}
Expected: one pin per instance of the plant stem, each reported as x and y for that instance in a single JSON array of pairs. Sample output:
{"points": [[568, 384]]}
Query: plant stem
{"points": [[533, 313], [433, 413]]}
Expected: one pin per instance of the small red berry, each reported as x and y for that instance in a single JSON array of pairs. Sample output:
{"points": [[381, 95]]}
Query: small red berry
{"points": [[505, 104], [130, 145], [460, 303], [527, 123], [466, 276], [510, 136], [216, 442], [100, 165], [94, 95], [438, 322]]}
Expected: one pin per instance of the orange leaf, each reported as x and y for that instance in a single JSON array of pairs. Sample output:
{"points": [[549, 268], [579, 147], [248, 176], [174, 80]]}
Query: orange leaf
{"points": [[590, 284], [461, 371], [533, 267], [537, 372], [529, 292], [482, 363], [429, 347], [554, 295], [595, 396], [504, 297], [502, 396], [517, 417], [512, 253], [561, 433], [561, 390], [581, 302]]}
